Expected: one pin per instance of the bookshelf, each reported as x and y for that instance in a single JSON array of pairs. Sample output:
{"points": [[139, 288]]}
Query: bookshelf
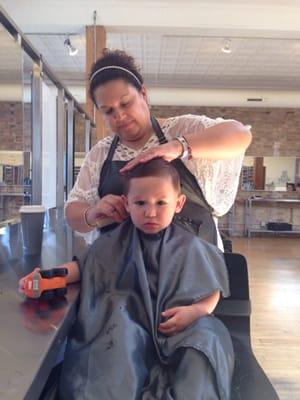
{"points": [[15, 190]]}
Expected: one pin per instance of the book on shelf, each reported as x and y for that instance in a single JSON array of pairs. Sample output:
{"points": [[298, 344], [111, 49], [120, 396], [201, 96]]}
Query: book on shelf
{"points": [[12, 174], [247, 178]]}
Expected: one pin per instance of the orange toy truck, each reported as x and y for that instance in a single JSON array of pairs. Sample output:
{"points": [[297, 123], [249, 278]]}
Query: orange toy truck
{"points": [[46, 284]]}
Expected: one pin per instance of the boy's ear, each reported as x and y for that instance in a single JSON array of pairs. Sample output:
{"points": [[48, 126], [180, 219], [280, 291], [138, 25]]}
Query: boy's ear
{"points": [[180, 203], [125, 199]]}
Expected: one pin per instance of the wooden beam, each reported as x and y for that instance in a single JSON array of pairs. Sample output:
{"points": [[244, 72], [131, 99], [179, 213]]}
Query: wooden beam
{"points": [[94, 51], [259, 173]]}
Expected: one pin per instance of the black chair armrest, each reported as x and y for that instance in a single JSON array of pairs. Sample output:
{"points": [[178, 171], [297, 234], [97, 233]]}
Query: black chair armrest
{"points": [[233, 308]]}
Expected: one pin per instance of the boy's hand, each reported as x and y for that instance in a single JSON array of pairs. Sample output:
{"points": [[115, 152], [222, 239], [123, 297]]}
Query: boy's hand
{"points": [[178, 319], [181, 317]]}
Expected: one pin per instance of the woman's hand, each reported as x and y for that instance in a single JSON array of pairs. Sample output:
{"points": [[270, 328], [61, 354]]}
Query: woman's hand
{"points": [[168, 151], [178, 319], [109, 206], [21, 284]]}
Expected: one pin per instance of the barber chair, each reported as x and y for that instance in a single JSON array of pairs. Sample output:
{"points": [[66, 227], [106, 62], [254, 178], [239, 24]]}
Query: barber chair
{"points": [[249, 380]]}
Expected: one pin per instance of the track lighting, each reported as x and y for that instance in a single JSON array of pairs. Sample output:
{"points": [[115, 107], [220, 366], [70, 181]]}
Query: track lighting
{"points": [[226, 46], [72, 50]]}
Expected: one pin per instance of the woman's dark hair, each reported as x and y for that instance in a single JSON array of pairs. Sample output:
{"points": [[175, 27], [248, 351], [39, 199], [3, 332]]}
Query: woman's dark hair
{"points": [[114, 58], [157, 167]]}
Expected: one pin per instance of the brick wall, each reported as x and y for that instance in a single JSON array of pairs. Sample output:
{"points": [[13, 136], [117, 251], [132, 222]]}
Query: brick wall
{"points": [[11, 126], [269, 125], [15, 135], [15, 126], [79, 139]]}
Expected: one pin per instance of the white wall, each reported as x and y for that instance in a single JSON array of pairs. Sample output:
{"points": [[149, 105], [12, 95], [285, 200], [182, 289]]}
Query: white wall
{"points": [[265, 18], [213, 98], [276, 166], [188, 97], [49, 141]]}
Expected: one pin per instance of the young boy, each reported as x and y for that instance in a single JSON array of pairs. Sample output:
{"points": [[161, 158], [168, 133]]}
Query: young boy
{"points": [[144, 329]]}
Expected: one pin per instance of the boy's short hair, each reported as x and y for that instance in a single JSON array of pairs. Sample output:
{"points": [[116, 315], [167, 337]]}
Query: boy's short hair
{"points": [[157, 167]]}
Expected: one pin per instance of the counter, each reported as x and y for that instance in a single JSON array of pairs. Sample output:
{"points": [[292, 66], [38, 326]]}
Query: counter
{"points": [[32, 331]]}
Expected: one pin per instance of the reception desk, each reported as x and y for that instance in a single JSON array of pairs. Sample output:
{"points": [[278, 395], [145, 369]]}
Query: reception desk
{"points": [[32, 331]]}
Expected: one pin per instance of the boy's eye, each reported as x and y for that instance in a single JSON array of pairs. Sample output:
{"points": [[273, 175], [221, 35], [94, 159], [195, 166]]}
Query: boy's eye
{"points": [[109, 111], [161, 203], [139, 202]]}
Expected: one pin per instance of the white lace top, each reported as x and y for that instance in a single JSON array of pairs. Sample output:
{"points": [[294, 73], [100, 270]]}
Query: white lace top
{"points": [[218, 179]]}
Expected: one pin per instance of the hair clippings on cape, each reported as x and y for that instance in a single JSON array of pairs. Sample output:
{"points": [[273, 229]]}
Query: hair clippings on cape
{"points": [[115, 67]]}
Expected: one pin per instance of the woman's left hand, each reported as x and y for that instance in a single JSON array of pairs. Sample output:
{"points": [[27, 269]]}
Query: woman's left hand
{"points": [[168, 151]]}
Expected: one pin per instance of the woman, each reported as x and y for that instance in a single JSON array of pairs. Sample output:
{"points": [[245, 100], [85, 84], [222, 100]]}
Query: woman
{"points": [[207, 154]]}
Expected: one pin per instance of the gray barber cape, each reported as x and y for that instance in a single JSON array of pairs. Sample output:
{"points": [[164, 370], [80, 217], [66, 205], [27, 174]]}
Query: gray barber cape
{"points": [[115, 350]]}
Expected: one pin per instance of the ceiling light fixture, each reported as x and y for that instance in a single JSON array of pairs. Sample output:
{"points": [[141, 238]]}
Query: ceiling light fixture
{"points": [[72, 50], [226, 46]]}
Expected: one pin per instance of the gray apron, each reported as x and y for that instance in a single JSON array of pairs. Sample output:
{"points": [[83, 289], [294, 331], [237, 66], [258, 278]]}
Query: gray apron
{"points": [[196, 215]]}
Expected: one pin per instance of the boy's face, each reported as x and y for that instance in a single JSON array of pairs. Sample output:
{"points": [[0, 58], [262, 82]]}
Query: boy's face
{"points": [[152, 203]]}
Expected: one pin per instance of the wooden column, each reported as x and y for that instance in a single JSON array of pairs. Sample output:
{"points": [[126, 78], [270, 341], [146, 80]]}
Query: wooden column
{"points": [[91, 49], [259, 172]]}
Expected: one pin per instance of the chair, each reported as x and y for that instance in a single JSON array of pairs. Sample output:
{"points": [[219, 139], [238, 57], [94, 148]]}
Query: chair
{"points": [[249, 380]]}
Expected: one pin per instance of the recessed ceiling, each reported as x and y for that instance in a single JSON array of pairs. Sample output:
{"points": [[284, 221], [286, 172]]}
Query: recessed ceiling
{"points": [[11, 59], [181, 61], [178, 44]]}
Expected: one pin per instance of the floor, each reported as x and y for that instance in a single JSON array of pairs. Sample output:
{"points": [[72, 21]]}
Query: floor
{"points": [[274, 274]]}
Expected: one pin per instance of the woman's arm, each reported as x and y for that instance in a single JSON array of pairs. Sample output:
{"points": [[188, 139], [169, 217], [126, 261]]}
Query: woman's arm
{"points": [[84, 218], [224, 140], [73, 271], [180, 317], [72, 276], [84, 211], [74, 212]]}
